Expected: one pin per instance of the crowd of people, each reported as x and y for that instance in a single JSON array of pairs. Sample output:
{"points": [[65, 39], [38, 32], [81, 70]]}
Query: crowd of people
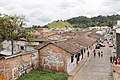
{"points": [[115, 60], [100, 54]]}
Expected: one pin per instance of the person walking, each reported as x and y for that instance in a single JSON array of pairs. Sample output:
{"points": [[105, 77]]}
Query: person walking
{"points": [[111, 59], [114, 58], [116, 61], [119, 60], [99, 54], [88, 54], [94, 53]]}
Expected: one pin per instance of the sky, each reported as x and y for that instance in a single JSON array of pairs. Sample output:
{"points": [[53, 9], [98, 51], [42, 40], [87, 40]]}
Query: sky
{"points": [[42, 12]]}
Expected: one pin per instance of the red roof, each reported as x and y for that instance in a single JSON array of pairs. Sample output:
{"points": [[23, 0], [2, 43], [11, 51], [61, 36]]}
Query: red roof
{"points": [[24, 39]]}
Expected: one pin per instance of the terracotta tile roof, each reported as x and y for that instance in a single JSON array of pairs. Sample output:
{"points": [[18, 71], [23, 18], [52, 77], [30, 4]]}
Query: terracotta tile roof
{"points": [[66, 45], [56, 37], [47, 34], [40, 30], [41, 39], [84, 40], [70, 41], [41, 45], [69, 46], [68, 34], [36, 33], [95, 35]]}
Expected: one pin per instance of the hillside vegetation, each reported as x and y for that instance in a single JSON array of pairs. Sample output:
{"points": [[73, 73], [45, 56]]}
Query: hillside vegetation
{"points": [[58, 24], [100, 20]]}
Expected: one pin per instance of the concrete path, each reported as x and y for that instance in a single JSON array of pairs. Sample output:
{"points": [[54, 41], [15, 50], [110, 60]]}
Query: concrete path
{"points": [[96, 68]]}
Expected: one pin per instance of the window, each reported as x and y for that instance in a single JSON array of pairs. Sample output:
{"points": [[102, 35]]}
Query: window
{"points": [[78, 58], [79, 54], [22, 47], [84, 50], [72, 59]]}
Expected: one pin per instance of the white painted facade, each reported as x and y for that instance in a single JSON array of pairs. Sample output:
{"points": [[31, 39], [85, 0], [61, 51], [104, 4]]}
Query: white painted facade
{"points": [[118, 30], [18, 44], [106, 28], [7, 44], [80, 58], [118, 23], [17, 47], [71, 66]]}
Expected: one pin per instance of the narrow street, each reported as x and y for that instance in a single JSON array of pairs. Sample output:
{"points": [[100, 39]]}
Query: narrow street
{"points": [[96, 68]]}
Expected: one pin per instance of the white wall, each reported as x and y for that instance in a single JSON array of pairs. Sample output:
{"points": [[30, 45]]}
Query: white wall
{"points": [[21, 43], [30, 48], [8, 43], [118, 30], [80, 58], [18, 44], [70, 66], [118, 23]]}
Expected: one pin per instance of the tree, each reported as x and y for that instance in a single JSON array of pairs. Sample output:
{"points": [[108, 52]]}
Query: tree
{"points": [[36, 27], [46, 26], [12, 28], [95, 21]]}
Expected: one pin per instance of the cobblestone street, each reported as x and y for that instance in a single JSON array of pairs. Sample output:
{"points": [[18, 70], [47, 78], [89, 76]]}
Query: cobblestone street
{"points": [[96, 68]]}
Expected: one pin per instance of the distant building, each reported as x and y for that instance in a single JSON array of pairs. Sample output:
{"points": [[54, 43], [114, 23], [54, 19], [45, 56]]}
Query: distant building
{"points": [[118, 23], [99, 28]]}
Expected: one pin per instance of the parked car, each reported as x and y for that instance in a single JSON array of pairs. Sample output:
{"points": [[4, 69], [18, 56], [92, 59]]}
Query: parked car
{"points": [[97, 46], [101, 45]]}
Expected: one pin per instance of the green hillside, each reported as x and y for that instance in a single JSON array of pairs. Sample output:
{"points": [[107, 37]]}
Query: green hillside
{"points": [[83, 21], [59, 24]]}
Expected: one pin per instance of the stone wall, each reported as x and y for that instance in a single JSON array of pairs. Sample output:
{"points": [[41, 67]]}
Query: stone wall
{"points": [[2, 69], [14, 66]]}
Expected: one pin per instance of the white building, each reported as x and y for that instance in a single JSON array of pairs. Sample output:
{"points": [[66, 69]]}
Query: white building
{"points": [[17, 47], [118, 23]]}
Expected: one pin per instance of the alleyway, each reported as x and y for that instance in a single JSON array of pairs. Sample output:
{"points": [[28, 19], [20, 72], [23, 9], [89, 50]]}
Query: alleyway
{"points": [[97, 68]]}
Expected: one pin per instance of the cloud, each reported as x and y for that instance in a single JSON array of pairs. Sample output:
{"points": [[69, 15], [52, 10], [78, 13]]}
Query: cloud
{"points": [[44, 11], [110, 7]]}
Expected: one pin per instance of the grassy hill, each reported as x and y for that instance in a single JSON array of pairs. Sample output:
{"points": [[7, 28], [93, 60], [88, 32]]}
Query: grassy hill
{"points": [[59, 24]]}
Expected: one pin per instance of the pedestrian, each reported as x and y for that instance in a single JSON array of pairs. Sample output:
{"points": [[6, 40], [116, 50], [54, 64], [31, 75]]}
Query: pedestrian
{"points": [[114, 58], [88, 54], [111, 59], [119, 60], [116, 61], [94, 53], [99, 54]]}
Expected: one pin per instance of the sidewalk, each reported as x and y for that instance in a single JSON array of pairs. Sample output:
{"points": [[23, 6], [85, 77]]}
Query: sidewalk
{"points": [[116, 72], [78, 67]]}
